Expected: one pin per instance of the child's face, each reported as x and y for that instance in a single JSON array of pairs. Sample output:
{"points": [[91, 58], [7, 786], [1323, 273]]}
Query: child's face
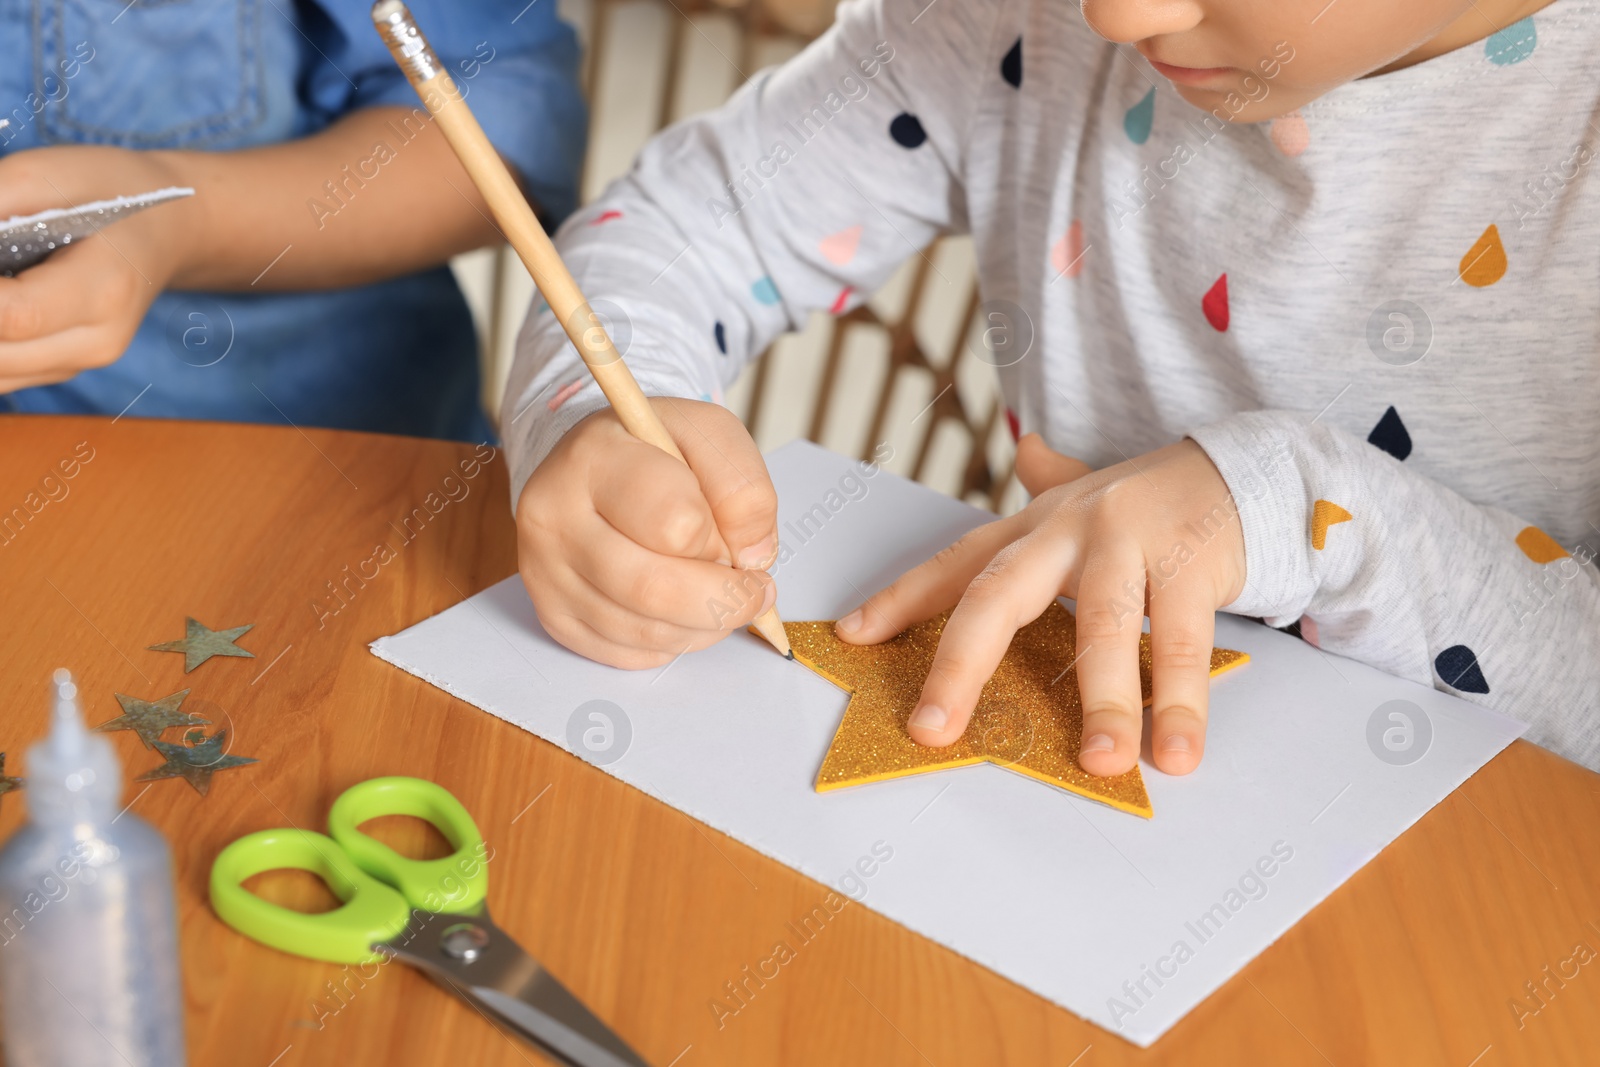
{"points": [[1252, 60]]}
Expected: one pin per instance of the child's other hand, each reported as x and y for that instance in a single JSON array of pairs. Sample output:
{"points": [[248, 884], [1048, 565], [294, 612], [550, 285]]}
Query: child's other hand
{"points": [[625, 550], [1163, 523], [80, 308], [1040, 468]]}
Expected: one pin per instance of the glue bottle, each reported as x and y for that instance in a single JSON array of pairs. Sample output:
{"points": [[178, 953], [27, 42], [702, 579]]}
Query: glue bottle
{"points": [[88, 940]]}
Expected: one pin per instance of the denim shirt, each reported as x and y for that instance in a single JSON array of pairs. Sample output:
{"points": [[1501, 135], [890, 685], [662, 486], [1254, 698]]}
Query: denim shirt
{"points": [[396, 357]]}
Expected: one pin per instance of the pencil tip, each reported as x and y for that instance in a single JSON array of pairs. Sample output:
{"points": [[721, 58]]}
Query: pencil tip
{"points": [[789, 655]]}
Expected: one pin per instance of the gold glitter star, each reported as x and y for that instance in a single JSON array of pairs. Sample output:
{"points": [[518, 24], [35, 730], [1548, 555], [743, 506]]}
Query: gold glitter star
{"points": [[7, 783], [1028, 717], [148, 718], [196, 762], [201, 643]]}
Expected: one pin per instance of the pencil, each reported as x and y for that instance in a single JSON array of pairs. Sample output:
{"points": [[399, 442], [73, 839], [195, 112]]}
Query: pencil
{"points": [[525, 234]]}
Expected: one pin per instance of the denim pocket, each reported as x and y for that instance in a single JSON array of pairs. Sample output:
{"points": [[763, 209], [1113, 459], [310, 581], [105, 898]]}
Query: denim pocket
{"points": [[152, 73]]}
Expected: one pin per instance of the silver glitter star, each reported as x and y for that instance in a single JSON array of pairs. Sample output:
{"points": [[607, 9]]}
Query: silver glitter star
{"points": [[195, 762], [148, 718], [200, 643]]}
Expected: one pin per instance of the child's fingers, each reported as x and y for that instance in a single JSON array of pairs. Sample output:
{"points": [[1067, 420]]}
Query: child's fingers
{"points": [[1182, 627], [733, 479], [577, 614], [589, 642], [577, 635], [1016, 586], [1110, 617], [928, 588], [630, 629], [686, 592], [652, 499]]}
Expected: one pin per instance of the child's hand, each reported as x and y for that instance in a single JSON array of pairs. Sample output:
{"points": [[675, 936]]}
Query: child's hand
{"points": [[1040, 469], [625, 550], [1162, 522], [80, 308]]}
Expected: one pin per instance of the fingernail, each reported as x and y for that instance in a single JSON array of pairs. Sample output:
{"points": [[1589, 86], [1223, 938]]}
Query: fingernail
{"points": [[1098, 743], [758, 556], [929, 717], [1176, 743], [851, 622]]}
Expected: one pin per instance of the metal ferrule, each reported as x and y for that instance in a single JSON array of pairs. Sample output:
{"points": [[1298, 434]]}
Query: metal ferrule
{"points": [[410, 49]]}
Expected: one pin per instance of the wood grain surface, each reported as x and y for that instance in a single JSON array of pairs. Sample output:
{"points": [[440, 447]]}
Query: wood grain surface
{"points": [[642, 912]]}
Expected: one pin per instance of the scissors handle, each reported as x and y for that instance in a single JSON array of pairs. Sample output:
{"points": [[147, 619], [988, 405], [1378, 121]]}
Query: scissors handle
{"points": [[371, 913], [380, 888], [457, 883]]}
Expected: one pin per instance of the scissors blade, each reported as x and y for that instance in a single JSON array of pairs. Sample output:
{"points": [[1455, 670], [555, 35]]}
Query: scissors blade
{"points": [[474, 957], [559, 1022]]}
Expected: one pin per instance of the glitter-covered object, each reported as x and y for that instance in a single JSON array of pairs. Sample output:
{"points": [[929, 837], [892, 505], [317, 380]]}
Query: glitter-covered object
{"points": [[27, 239], [151, 718], [196, 761], [200, 643], [1028, 717]]}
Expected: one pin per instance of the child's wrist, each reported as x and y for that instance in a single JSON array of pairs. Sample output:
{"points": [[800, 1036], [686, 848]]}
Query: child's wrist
{"points": [[189, 256]]}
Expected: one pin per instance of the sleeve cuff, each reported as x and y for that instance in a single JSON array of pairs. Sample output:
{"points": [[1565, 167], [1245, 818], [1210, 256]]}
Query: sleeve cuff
{"points": [[1253, 453], [531, 428]]}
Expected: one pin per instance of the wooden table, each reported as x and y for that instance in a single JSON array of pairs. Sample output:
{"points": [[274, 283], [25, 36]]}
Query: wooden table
{"points": [[644, 913]]}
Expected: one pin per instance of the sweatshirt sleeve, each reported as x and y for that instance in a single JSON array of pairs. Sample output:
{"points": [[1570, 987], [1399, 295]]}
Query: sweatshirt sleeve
{"points": [[803, 192], [1388, 567]]}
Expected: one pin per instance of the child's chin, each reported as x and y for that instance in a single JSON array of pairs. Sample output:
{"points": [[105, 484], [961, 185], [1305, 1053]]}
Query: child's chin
{"points": [[1235, 107]]}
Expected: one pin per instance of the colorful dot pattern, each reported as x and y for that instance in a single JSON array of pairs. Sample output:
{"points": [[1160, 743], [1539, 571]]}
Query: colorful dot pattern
{"points": [[765, 291], [1390, 435], [1513, 44], [907, 131], [1011, 65], [1215, 305], [840, 248], [1458, 668], [1482, 265], [1290, 134], [1325, 513], [564, 394], [1540, 546], [1066, 255], [1485, 262], [1140, 119]]}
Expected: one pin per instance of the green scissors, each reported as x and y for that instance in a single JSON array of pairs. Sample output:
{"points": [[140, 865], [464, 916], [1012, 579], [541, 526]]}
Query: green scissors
{"points": [[430, 913]]}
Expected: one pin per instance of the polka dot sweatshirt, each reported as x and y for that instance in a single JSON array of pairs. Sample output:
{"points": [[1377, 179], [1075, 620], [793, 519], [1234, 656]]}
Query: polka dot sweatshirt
{"points": [[1379, 315]]}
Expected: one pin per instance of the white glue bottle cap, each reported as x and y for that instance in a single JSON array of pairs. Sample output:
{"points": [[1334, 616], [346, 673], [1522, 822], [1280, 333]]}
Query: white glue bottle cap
{"points": [[73, 775]]}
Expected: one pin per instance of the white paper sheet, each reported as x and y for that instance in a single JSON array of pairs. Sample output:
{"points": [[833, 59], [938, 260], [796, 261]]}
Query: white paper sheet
{"points": [[1127, 922]]}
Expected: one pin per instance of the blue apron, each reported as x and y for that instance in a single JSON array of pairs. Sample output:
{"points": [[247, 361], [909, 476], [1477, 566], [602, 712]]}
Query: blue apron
{"points": [[398, 356]]}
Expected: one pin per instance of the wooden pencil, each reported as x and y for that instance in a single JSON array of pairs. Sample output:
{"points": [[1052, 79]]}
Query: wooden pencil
{"points": [[525, 234]]}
